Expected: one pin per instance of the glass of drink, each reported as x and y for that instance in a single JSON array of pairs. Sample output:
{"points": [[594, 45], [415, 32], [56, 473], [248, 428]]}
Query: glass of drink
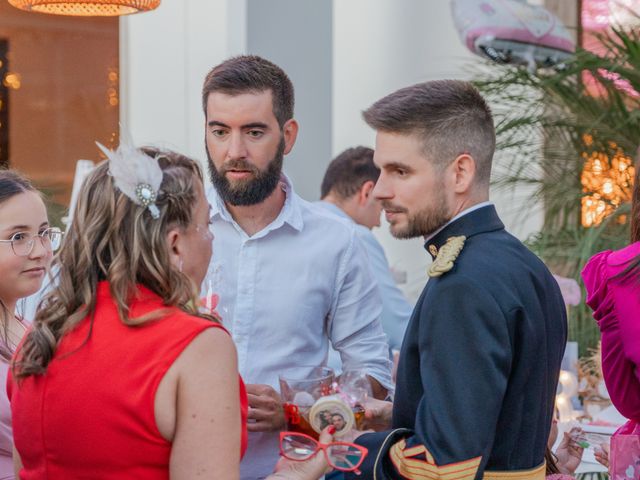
{"points": [[300, 388], [355, 388]]}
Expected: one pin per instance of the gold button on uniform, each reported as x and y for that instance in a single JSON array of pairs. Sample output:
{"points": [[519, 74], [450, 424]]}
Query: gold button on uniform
{"points": [[433, 250]]}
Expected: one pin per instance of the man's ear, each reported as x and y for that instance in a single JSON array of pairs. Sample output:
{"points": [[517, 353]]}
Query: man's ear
{"points": [[290, 132], [464, 171], [365, 192]]}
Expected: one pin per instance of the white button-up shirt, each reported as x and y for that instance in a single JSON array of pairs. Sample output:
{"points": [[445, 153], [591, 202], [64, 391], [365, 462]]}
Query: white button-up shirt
{"points": [[396, 310], [289, 291]]}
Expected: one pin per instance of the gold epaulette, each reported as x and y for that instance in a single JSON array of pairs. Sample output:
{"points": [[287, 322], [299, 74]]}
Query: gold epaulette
{"points": [[446, 256]]}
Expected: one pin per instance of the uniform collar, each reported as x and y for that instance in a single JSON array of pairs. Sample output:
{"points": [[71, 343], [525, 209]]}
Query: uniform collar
{"points": [[480, 220], [291, 212]]}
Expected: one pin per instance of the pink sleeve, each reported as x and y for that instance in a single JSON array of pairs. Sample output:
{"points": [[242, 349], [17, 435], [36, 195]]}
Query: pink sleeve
{"points": [[596, 277], [616, 308]]}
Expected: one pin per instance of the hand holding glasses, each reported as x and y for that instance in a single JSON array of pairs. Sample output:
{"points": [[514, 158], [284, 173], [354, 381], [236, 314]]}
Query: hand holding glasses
{"points": [[343, 456], [22, 242]]}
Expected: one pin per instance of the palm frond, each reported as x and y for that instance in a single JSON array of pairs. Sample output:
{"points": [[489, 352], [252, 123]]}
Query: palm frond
{"points": [[543, 120]]}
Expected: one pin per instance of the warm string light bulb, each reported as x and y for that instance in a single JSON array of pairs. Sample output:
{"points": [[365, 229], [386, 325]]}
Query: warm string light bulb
{"points": [[607, 181]]}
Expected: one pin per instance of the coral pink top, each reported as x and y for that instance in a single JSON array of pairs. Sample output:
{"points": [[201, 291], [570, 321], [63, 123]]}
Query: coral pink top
{"points": [[616, 307], [92, 414]]}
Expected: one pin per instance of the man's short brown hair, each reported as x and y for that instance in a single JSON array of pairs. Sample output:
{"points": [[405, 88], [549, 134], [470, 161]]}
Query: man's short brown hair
{"points": [[348, 172], [449, 116], [251, 74]]}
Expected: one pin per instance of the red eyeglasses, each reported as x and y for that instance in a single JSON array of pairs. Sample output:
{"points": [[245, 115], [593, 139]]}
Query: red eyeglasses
{"points": [[343, 456]]}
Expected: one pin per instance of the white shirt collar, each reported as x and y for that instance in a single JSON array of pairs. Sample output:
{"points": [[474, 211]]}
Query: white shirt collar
{"points": [[290, 213]]}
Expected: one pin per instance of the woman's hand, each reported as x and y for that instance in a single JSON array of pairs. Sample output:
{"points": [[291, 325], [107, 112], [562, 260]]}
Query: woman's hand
{"points": [[311, 469], [601, 452], [569, 453]]}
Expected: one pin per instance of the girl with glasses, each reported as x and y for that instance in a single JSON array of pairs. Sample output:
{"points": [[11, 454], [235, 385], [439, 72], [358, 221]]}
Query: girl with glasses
{"points": [[26, 248]]}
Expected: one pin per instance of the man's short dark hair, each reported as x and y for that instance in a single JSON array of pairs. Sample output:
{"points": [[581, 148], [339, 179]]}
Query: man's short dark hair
{"points": [[449, 116], [348, 172], [251, 74]]}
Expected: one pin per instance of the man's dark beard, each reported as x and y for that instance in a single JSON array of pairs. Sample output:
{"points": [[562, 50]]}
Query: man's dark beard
{"points": [[253, 190]]}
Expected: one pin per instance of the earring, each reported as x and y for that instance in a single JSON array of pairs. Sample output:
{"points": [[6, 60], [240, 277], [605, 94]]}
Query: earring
{"points": [[180, 264]]}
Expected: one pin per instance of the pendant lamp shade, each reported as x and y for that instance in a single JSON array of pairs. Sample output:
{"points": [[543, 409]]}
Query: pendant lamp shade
{"points": [[86, 8]]}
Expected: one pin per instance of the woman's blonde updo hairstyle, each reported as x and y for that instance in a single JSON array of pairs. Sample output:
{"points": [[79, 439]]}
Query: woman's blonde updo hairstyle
{"points": [[112, 238]]}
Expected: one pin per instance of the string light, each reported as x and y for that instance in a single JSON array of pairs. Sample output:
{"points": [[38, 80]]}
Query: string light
{"points": [[607, 181]]}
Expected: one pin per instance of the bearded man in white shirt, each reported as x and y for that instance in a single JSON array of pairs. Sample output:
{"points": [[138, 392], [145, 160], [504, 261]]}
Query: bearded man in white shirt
{"points": [[291, 278]]}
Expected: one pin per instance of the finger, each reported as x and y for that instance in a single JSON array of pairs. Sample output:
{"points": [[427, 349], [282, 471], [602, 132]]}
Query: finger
{"points": [[260, 401], [258, 388], [260, 415], [252, 388], [326, 436], [255, 401], [259, 427]]}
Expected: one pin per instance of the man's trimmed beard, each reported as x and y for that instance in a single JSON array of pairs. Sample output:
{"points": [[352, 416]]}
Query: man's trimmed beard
{"points": [[253, 190], [424, 222]]}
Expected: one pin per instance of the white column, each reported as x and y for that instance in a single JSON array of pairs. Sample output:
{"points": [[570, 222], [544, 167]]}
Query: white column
{"points": [[164, 57]]}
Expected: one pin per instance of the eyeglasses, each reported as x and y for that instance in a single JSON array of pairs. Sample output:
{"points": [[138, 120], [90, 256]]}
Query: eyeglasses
{"points": [[22, 242], [343, 456]]}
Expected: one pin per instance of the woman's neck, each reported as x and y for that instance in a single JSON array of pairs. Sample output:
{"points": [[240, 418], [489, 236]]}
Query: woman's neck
{"points": [[10, 306]]}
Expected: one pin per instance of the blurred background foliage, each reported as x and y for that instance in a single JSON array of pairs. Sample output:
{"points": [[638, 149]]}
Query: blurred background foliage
{"points": [[569, 136]]}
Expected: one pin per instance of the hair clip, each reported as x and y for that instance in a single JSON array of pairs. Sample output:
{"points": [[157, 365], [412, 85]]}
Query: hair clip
{"points": [[135, 174]]}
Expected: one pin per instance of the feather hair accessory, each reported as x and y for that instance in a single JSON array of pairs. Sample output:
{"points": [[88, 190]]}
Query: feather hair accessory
{"points": [[135, 174]]}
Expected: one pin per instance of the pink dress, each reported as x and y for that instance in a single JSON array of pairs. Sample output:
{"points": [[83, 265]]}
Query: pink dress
{"points": [[616, 307], [6, 436]]}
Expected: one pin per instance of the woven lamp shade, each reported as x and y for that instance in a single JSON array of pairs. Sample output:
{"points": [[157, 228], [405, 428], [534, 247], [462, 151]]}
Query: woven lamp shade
{"points": [[86, 8]]}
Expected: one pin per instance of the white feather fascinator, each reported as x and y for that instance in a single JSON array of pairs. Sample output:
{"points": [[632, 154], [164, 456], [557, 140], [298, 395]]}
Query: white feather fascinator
{"points": [[135, 174]]}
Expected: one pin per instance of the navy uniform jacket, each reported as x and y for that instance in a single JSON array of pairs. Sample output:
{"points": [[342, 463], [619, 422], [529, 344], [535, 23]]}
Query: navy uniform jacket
{"points": [[479, 365]]}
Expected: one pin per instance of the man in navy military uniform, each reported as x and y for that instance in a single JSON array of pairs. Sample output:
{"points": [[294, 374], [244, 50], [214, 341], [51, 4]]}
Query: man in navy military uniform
{"points": [[480, 360]]}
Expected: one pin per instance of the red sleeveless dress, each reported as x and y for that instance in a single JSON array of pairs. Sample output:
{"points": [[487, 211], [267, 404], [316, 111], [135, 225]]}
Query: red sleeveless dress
{"points": [[91, 416]]}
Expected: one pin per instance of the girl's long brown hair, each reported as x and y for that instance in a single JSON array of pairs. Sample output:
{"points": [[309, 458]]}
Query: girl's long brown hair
{"points": [[111, 238]]}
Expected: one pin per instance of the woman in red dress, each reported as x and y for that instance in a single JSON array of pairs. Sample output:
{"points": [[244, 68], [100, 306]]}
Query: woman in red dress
{"points": [[121, 376]]}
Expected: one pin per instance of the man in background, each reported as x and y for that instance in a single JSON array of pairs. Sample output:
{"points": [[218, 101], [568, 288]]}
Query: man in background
{"points": [[347, 191]]}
